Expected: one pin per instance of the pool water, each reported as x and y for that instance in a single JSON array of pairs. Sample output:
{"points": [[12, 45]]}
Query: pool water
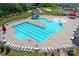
{"points": [[27, 30], [19, 35]]}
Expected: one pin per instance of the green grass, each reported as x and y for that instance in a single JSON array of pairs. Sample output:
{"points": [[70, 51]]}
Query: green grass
{"points": [[16, 53], [12, 18]]}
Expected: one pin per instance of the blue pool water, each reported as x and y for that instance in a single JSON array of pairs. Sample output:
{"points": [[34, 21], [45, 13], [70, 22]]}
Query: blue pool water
{"points": [[28, 30]]}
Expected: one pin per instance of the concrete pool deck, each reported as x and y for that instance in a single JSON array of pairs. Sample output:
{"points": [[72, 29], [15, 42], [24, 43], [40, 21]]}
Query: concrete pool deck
{"points": [[57, 40]]}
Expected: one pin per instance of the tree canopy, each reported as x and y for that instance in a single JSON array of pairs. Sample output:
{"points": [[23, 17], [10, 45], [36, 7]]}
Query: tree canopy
{"points": [[8, 8]]}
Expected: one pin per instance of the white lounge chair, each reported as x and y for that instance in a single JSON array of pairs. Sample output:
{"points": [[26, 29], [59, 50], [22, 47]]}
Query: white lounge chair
{"points": [[18, 48], [42, 49], [49, 49], [52, 49], [31, 48], [24, 49], [10, 45], [69, 46], [65, 47], [46, 50], [28, 48], [13, 46]]}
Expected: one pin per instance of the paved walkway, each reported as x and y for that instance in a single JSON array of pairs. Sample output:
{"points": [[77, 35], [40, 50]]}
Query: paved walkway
{"points": [[56, 40]]}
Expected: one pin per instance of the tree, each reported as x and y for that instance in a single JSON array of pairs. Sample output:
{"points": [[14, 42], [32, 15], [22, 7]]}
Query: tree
{"points": [[9, 8], [24, 7], [1, 13], [43, 5]]}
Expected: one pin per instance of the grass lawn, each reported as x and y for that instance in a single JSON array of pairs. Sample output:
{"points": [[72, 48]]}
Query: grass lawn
{"points": [[12, 18], [16, 53]]}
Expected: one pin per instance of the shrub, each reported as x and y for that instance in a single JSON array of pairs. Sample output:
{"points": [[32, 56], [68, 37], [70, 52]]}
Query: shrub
{"points": [[1, 48], [7, 50], [71, 52]]}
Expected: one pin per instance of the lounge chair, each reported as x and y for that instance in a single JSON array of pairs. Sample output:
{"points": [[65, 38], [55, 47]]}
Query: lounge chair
{"points": [[24, 49], [13, 46], [42, 49], [27, 50], [49, 49], [10, 45], [69, 46], [65, 47], [18, 48], [46, 50], [52, 49], [31, 49]]}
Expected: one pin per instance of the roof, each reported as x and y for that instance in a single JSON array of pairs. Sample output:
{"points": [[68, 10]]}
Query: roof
{"points": [[77, 32]]}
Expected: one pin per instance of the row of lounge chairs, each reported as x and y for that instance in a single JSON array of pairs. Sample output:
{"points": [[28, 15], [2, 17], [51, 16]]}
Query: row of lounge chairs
{"points": [[34, 49]]}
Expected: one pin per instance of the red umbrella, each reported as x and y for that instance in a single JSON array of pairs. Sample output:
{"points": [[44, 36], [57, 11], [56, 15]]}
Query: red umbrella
{"points": [[3, 28], [72, 14]]}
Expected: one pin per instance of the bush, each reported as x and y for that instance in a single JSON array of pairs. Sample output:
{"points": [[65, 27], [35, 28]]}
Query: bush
{"points": [[1, 48], [64, 14], [71, 52], [7, 50]]}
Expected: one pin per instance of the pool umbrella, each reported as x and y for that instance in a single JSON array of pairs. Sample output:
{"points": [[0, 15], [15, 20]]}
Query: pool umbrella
{"points": [[3, 28], [72, 14]]}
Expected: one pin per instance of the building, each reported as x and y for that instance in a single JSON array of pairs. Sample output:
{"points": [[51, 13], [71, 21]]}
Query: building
{"points": [[76, 37]]}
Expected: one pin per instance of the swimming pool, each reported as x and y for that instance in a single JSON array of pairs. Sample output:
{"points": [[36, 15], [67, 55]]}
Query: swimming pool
{"points": [[28, 30]]}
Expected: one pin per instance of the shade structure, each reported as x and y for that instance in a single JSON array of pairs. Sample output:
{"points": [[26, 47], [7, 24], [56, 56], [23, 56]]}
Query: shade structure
{"points": [[72, 14], [3, 28]]}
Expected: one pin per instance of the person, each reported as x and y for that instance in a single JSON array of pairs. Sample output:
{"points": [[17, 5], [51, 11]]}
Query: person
{"points": [[29, 40], [60, 24]]}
